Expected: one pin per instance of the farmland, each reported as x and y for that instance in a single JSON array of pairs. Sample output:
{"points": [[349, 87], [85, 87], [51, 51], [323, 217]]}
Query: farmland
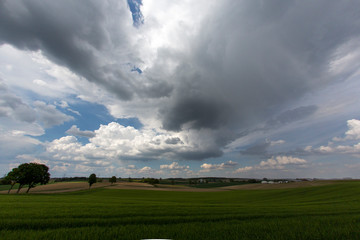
{"points": [[328, 211]]}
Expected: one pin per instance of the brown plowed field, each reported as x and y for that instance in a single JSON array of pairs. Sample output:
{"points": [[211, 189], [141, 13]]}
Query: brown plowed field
{"points": [[77, 186], [60, 187]]}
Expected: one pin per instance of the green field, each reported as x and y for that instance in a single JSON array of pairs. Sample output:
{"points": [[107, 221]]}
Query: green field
{"points": [[325, 212]]}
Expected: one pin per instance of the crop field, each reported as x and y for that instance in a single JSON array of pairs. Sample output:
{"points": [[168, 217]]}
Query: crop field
{"points": [[330, 211]]}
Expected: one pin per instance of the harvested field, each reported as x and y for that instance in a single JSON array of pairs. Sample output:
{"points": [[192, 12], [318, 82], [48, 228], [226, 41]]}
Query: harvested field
{"points": [[77, 186], [59, 187]]}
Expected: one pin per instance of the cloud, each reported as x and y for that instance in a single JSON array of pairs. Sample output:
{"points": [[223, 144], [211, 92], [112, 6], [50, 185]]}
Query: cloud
{"points": [[174, 166], [206, 80], [261, 149], [139, 172], [84, 43], [49, 115], [354, 130], [257, 149], [75, 131], [341, 145], [221, 65], [117, 142], [194, 113], [174, 140], [292, 115], [14, 107], [278, 162], [244, 169], [63, 104], [207, 167], [278, 142], [15, 142], [145, 170], [176, 170]]}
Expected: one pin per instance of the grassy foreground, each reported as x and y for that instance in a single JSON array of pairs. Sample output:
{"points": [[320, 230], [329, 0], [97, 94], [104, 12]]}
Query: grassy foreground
{"points": [[326, 212]]}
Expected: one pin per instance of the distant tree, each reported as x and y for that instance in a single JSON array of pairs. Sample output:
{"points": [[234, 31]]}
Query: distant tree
{"points": [[31, 174], [92, 179], [12, 178], [172, 182], [113, 180]]}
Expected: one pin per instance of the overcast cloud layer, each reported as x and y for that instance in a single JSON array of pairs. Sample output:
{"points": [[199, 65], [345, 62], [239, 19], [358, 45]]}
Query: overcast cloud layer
{"points": [[231, 88]]}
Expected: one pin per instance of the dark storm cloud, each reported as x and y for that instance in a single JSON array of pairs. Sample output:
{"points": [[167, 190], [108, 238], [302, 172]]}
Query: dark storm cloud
{"points": [[79, 36], [157, 89], [199, 155], [198, 113], [253, 58]]}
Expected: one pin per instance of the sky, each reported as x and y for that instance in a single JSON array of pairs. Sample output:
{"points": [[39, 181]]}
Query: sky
{"points": [[157, 88]]}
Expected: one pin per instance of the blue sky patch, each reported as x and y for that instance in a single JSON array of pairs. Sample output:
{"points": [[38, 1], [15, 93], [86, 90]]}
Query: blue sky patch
{"points": [[136, 69], [138, 18]]}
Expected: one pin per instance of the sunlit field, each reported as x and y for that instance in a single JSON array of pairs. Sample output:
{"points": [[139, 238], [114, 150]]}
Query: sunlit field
{"points": [[321, 212]]}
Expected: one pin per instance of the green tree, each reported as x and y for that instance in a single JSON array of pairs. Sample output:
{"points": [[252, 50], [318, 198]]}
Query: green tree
{"points": [[12, 177], [113, 180], [31, 174], [92, 179]]}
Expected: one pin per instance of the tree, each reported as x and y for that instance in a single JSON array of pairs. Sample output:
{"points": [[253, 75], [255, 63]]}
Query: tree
{"points": [[113, 180], [12, 177], [92, 179], [31, 174]]}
